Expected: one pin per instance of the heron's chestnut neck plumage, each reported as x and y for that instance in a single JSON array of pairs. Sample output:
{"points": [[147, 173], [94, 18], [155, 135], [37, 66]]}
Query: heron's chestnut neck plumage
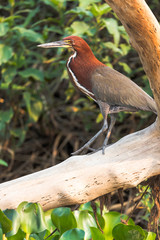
{"points": [[82, 64]]}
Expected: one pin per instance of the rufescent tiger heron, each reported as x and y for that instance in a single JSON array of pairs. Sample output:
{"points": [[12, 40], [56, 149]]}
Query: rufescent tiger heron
{"points": [[111, 90]]}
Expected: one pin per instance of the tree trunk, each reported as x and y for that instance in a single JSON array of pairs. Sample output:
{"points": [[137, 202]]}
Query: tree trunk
{"points": [[144, 32]]}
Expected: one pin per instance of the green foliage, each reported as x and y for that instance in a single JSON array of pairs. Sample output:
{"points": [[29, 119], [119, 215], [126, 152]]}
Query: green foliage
{"points": [[130, 232], [2, 162], [111, 220], [5, 223], [63, 219], [29, 221], [32, 217], [75, 234]]}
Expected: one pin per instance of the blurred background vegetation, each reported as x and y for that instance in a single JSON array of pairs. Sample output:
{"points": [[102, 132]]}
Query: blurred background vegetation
{"points": [[42, 117]]}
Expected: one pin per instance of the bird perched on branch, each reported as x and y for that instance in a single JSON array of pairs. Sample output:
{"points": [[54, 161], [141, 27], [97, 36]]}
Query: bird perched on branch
{"points": [[111, 90]]}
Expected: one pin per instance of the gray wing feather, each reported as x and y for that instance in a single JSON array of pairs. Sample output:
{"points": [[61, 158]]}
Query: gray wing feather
{"points": [[114, 88]]}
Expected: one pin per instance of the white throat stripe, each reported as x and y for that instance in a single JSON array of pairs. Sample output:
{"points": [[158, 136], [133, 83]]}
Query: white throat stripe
{"points": [[83, 89]]}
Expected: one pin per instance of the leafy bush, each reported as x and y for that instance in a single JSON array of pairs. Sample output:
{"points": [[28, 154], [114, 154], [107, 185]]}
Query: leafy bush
{"points": [[29, 221]]}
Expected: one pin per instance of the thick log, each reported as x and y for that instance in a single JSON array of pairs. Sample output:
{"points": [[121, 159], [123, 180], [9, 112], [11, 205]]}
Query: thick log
{"points": [[83, 178], [126, 163]]}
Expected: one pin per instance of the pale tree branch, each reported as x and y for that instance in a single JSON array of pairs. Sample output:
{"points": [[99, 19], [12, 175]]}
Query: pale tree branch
{"points": [[126, 163], [83, 178]]}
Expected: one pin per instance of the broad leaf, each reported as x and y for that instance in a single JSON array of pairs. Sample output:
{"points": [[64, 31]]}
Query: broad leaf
{"points": [[128, 232], [73, 234], [14, 217], [84, 222], [5, 53], [32, 217], [112, 27], [32, 72], [3, 163], [79, 28], [96, 234], [29, 34], [111, 220], [63, 219], [4, 27], [5, 223], [6, 116]]}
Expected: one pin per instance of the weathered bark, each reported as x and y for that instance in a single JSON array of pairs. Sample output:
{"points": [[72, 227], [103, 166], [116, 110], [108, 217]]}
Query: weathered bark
{"points": [[126, 163], [144, 32], [82, 178]]}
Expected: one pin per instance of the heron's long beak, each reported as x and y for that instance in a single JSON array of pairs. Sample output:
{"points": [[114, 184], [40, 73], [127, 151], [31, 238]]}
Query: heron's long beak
{"points": [[62, 43]]}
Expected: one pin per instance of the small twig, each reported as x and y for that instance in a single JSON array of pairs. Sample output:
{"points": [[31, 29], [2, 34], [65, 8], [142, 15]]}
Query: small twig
{"points": [[51, 234], [93, 205], [129, 216]]}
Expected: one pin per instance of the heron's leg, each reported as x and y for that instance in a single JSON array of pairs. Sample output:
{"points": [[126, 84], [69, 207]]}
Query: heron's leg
{"points": [[88, 143], [104, 110], [113, 120]]}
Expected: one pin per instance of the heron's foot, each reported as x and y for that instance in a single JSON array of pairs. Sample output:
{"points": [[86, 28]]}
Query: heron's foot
{"points": [[86, 146]]}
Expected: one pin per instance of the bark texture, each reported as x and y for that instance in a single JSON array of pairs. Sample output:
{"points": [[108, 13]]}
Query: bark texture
{"points": [[83, 178], [144, 32]]}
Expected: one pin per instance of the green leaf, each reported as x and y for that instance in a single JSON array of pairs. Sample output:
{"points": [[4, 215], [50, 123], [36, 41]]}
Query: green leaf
{"points": [[53, 4], [14, 217], [151, 236], [79, 28], [20, 235], [4, 27], [1, 234], [2, 128], [84, 222], [86, 207], [5, 53], [112, 27], [63, 219], [19, 133], [34, 236], [128, 232], [6, 116], [12, 2], [36, 110], [48, 221], [32, 72], [5, 223], [30, 16], [96, 234], [8, 74], [99, 118], [27, 99], [100, 10], [112, 46], [84, 3], [125, 48], [34, 106], [81, 12], [3, 163], [126, 68], [29, 34], [111, 220], [32, 217], [74, 234]]}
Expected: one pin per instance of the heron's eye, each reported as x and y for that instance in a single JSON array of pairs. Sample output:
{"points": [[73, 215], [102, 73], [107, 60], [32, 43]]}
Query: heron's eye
{"points": [[69, 42]]}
